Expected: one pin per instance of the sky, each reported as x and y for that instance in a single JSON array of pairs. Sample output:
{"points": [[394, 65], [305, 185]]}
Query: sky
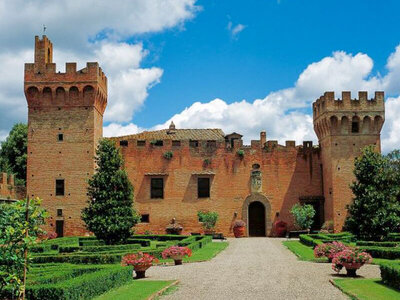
{"points": [[242, 66]]}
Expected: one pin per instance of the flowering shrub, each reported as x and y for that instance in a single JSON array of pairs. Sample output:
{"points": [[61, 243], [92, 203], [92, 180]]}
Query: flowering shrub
{"points": [[175, 251], [239, 223], [329, 250], [51, 235], [350, 256], [138, 260]]}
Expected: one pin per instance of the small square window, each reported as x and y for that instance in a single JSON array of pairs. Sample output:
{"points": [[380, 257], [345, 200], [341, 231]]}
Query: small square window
{"points": [[211, 144], [141, 143], [145, 218], [123, 143], [157, 188], [158, 143], [203, 187], [60, 187], [60, 137], [193, 144], [59, 212], [176, 143]]}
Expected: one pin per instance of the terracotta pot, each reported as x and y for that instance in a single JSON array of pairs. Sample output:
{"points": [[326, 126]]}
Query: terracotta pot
{"points": [[140, 271], [238, 231], [177, 259], [352, 268]]}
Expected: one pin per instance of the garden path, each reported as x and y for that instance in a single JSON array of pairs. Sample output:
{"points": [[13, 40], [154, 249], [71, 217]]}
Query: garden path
{"points": [[254, 268]]}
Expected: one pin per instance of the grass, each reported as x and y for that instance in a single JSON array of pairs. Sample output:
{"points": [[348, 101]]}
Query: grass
{"points": [[137, 290], [208, 252], [302, 251], [366, 289]]}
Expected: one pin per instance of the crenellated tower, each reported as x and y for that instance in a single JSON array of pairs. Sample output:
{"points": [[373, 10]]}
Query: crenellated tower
{"points": [[65, 122], [343, 128]]}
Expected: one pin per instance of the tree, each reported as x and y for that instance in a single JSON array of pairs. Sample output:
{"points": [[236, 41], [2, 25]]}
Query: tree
{"points": [[303, 215], [110, 214], [375, 211], [13, 153], [14, 242]]}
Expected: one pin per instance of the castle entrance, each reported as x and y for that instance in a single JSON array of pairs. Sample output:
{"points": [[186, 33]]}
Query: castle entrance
{"points": [[256, 213], [256, 219]]}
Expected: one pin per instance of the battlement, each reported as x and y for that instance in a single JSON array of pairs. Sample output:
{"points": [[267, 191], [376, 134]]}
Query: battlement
{"points": [[44, 86], [328, 103]]}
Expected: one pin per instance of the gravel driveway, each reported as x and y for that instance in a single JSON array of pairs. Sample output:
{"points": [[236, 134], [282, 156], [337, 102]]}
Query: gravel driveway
{"points": [[254, 268]]}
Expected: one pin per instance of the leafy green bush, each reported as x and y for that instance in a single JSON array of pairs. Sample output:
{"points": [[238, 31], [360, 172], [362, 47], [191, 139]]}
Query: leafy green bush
{"points": [[390, 273], [209, 219], [393, 236], [378, 244], [382, 252], [303, 215], [375, 211], [110, 214]]}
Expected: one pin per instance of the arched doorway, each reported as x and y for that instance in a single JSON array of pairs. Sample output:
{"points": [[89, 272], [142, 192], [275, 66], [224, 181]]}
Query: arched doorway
{"points": [[255, 207], [256, 219]]}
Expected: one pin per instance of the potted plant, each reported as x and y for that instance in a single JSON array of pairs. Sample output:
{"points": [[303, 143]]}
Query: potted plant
{"points": [[329, 250], [176, 253], [351, 259], [140, 262], [168, 154], [208, 220], [173, 227], [303, 216], [238, 228]]}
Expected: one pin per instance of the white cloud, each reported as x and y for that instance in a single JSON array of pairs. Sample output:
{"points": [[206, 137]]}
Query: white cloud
{"points": [[235, 29], [71, 25], [285, 113]]}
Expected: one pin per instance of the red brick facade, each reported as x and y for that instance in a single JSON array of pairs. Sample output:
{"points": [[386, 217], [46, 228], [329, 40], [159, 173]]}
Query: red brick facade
{"points": [[243, 179]]}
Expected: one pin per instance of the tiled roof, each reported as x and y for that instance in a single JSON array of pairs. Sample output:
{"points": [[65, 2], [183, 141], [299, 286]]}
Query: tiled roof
{"points": [[178, 134]]}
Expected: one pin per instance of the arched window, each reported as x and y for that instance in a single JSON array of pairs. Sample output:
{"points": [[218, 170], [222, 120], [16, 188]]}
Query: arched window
{"points": [[355, 125]]}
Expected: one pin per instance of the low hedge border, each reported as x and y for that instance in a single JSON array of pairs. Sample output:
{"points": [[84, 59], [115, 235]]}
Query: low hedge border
{"points": [[378, 244], [382, 252], [390, 273]]}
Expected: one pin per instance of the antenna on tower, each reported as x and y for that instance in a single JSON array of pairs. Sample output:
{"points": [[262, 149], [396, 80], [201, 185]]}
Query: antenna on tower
{"points": [[44, 29]]}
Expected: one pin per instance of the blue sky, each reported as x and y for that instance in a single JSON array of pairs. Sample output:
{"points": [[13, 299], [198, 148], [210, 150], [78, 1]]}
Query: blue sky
{"points": [[241, 66], [203, 61]]}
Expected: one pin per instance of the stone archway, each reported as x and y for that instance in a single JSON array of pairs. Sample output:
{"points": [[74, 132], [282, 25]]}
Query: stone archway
{"points": [[257, 197]]}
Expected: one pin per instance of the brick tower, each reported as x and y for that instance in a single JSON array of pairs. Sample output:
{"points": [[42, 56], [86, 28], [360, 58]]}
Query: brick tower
{"points": [[343, 128], [65, 121]]}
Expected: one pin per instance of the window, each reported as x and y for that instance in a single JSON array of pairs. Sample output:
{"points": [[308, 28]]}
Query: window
{"points": [[158, 143], [145, 218], [194, 144], [141, 143], [157, 188], [60, 187], [203, 187], [211, 144], [59, 212], [60, 137], [123, 143], [354, 127], [176, 143]]}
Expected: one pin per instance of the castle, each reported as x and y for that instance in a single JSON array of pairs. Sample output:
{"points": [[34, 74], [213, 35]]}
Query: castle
{"points": [[178, 172]]}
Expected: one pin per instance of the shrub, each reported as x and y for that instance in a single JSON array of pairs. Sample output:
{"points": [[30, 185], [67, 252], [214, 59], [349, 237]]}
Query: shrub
{"points": [[327, 226], [209, 219], [378, 244], [303, 215], [390, 273], [110, 214], [375, 211], [174, 251], [349, 256], [240, 153], [329, 250], [168, 154], [382, 252]]}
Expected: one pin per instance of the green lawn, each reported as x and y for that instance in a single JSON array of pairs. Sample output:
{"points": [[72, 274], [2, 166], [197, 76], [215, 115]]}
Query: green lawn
{"points": [[206, 253], [137, 290], [366, 289], [302, 251]]}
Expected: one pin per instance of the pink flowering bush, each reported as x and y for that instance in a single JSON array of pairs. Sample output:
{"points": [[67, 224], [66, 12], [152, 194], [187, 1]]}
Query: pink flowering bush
{"points": [[51, 235], [138, 260], [329, 250], [350, 258], [174, 251]]}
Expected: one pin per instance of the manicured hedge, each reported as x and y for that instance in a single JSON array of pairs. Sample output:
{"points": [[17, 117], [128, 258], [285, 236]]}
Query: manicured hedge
{"points": [[390, 273], [309, 240], [382, 252], [394, 236], [313, 240], [86, 286], [378, 244]]}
